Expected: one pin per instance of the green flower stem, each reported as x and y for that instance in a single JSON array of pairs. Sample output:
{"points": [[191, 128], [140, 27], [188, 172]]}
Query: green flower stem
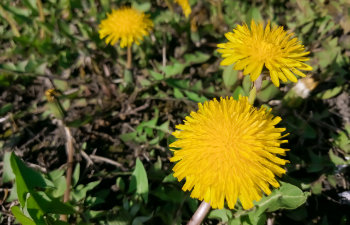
{"points": [[252, 95], [129, 58], [42, 17]]}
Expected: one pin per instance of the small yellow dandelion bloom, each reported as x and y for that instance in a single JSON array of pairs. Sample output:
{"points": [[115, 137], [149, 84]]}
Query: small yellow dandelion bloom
{"points": [[258, 48], [51, 94], [127, 24], [186, 8], [228, 150]]}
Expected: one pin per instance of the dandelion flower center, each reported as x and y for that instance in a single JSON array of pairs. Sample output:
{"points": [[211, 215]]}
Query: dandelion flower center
{"points": [[265, 51], [228, 150], [254, 49]]}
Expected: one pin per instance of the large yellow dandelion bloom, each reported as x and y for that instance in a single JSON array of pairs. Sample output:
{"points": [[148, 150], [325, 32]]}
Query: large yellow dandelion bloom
{"points": [[127, 24], [186, 8], [228, 150], [258, 48]]}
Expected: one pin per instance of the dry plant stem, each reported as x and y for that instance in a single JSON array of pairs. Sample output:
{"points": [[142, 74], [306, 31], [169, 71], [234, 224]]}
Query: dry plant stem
{"points": [[200, 214], [70, 154], [129, 58], [219, 8], [42, 17], [170, 6], [10, 20]]}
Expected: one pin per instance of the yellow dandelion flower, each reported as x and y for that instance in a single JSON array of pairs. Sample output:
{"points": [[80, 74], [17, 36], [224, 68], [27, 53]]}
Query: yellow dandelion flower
{"points": [[186, 8], [228, 150], [127, 24], [51, 94], [272, 48]]}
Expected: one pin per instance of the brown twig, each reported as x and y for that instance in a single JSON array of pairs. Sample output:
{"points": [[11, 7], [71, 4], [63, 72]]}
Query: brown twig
{"points": [[200, 214], [129, 58], [70, 156], [106, 160]]}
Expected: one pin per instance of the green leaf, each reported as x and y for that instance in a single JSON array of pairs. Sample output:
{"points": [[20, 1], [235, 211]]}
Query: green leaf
{"points": [[222, 214], [268, 93], [8, 174], [246, 84], [195, 97], [316, 188], [238, 91], [156, 76], [287, 196], [145, 6], [253, 13], [197, 57], [178, 94], [330, 93], [336, 159], [229, 76], [26, 178], [139, 180], [176, 68], [50, 205], [168, 194], [6, 108], [21, 217], [128, 136], [76, 174], [80, 191], [120, 183], [140, 220]]}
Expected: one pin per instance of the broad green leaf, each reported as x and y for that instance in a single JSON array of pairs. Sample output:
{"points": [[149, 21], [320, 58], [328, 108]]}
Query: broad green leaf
{"points": [[238, 91], [222, 214], [26, 178], [330, 93], [6, 108], [79, 192], [156, 76], [336, 159], [178, 94], [144, 7], [140, 220], [246, 84], [168, 194], [316, 188], [128, 136], [268, 93], [195, 97], [21, 217], [8, 174], [197, 57], [169, 178], [287, 196], [176, 68], [254, 219], [139, 180], [229, 76], [253, 13], [50, 205], [120, 183], [342, 140]]}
